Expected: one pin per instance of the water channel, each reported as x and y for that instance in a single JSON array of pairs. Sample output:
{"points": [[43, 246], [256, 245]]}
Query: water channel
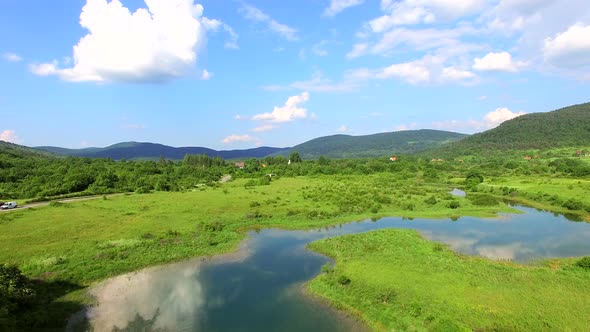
{"points": [[259, 288]]}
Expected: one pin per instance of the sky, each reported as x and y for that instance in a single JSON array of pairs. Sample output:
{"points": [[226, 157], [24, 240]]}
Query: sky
{"points": [[232, 74]]}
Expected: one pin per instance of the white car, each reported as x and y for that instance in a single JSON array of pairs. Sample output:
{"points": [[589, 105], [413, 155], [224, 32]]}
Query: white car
{"points": [[9, 205]]}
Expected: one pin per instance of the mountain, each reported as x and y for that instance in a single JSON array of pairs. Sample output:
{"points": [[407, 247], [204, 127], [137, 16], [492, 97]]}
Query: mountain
{"points": [[377, 145], [566, 127], [136, 150], [18, 151]]}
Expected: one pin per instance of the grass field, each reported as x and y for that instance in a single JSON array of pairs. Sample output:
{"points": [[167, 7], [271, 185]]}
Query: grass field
{"points": [[70, 246], [395, 280]]}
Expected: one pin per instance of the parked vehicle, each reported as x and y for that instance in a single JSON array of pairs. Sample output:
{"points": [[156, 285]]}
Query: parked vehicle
{"points": [[9, 205]]}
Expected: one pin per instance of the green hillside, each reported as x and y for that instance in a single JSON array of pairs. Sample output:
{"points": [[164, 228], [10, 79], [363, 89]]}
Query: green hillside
{"points": [[566, 127], [10, 150], [377, 145]]}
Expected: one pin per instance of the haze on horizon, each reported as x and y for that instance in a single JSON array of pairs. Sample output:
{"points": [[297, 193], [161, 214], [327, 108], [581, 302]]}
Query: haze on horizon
{"points": [[240, 74]]}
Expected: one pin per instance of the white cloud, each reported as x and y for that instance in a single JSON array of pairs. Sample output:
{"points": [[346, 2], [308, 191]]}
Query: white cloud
{"points": [[239, 138], [489, 121], [11, 57], [254, 14], [413, 72], [44, 69], [291, 111], [263, 128], [9, 136], [343, 129], [215, 25], [153, 44], [570, 48], [423, 11], [414, 39], [497, 62], [495, 118], [358, 50], [206, 75], [336, 6], [456, 74]]}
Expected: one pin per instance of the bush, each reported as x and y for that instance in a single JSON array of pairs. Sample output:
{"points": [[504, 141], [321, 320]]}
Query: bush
{"points": [[573, 204], [254, 204], [430, 200], [584, 263], [453, 205], [327, 268], [343, 280]]}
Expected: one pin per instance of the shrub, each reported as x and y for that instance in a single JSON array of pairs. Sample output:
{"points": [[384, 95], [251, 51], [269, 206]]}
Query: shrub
{"points": [[584, 263], [327, 268], [573, 204], [430, 200], [453, 205], [254, 204], [343, 280]]}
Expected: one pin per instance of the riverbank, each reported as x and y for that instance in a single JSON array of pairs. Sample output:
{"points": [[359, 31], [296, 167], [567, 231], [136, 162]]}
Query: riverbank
{"points": [[395, 280]]}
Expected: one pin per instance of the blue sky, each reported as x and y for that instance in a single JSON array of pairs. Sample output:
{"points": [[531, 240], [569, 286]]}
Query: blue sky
{"points": [[237, 74]]}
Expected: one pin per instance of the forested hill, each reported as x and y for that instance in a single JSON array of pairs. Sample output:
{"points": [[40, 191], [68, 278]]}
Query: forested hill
{"points": [[135, 150], [377, 145], [18, 151], [566, 127]]}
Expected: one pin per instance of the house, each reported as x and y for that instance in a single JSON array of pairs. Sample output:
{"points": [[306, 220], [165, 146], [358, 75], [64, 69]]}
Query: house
{"points": [[264, 165], [437, 160], [240, 164], [394, 158], [527, 158]]}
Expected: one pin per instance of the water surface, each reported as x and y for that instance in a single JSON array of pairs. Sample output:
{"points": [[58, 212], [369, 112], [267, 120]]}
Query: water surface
{"points": [[259, 289]]}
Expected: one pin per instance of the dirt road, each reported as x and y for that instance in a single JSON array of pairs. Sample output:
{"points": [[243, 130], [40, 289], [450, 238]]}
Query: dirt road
{"points": [[65, 200]]}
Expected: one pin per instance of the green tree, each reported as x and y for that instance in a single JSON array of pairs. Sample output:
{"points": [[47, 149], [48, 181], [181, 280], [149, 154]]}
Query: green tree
{"points": [[295, 157]]}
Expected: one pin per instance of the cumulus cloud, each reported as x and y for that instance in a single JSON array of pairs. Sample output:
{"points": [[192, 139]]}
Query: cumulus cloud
{"points": [[153, 44], [497, 62], [291, 111], [570, 48], [9, 136], [489, 121], [254, 14], [336, 6], [11, 57], [495, 118], [239, 138]]}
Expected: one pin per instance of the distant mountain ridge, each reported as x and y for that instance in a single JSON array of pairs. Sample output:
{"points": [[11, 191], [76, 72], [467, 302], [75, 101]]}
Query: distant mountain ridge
{"points": [[565, 127], [376, 145], [139, 150]]}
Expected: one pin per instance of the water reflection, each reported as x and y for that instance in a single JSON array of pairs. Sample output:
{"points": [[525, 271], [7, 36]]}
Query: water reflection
{"points": [[260, 289], [458, 192]]}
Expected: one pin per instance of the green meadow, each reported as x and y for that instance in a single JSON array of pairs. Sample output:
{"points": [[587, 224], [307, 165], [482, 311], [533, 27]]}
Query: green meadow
{"points": [[396, 281], [70, 246]]}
